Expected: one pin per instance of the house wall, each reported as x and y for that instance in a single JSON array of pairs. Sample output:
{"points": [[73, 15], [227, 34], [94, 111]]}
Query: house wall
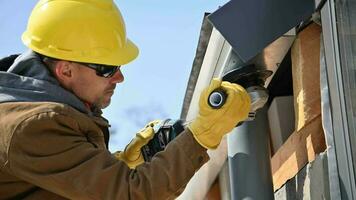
{"points": [[311, 182]]}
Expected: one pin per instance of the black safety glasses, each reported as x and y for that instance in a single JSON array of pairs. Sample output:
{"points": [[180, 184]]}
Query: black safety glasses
{"points": [[105, 71]]}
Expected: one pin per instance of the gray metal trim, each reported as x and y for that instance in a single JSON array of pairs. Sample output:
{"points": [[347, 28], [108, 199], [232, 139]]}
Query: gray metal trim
{"points": [[338, 103], [205, 33], [333, 174], [250, 161]]}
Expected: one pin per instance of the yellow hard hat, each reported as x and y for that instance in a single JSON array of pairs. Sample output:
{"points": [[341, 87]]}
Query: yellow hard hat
{"points": [[89, 31]]}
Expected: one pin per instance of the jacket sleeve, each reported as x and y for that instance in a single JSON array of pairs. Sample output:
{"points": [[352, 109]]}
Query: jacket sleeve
{"points": [[50, 151]]}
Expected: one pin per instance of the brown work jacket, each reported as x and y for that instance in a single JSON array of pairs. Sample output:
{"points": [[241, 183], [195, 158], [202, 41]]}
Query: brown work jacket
{"points": [[52, 151]]}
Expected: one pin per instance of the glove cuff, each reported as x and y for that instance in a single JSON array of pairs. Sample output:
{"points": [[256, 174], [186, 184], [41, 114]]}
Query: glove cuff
{"points": [[205, 139], [130, 163]]}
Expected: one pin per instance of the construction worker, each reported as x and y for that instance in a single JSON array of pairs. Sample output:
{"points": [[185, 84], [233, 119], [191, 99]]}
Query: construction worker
{"points": [[53, 141]]}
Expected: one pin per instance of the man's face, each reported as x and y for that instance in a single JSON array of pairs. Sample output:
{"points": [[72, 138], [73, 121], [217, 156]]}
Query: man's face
{"points": [[92, 88]]}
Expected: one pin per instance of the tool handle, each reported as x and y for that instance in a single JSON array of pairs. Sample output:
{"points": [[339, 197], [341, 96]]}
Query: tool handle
{"points": [[217, 98]]}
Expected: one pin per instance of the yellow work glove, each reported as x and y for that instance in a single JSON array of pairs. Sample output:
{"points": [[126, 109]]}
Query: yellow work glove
{"points": [[212, 124], [132, 154]]}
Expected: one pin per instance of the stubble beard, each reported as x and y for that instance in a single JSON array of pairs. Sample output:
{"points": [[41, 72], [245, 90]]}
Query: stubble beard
{"points": [[102, 102]]}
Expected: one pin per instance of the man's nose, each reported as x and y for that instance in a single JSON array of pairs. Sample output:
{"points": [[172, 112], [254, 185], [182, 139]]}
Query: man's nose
{"points": [[118, 77]]}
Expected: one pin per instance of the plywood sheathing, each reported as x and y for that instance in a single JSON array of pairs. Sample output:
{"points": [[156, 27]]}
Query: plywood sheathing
{"points": [[308, 139]]}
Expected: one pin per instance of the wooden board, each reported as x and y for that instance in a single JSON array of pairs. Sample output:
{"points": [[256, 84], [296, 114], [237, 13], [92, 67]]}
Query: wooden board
{"points": [[305, 54], [300, 148]]}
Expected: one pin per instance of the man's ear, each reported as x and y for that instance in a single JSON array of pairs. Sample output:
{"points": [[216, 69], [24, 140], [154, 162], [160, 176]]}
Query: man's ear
{"points": [[63, 71]]}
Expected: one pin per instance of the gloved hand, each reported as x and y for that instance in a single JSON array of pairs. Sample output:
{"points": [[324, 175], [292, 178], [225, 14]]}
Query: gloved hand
{"points": [[212, 124], [132, 154]]}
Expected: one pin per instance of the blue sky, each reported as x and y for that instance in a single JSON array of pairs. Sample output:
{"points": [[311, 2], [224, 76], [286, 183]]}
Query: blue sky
{"points": [[166, 33]]}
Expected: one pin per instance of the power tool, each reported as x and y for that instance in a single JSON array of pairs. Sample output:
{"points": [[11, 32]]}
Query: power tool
{"points": [[165, 131], [249, 76], [252, 78]]}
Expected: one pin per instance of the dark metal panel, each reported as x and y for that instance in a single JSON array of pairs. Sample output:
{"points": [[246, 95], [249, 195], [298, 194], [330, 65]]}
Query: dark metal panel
{"points": [[250, 25]]}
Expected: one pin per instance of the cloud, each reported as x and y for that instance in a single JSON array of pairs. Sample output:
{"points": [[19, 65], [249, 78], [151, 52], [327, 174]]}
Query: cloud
{"points": [[114, 129], [131, 120], [141, 115]]}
